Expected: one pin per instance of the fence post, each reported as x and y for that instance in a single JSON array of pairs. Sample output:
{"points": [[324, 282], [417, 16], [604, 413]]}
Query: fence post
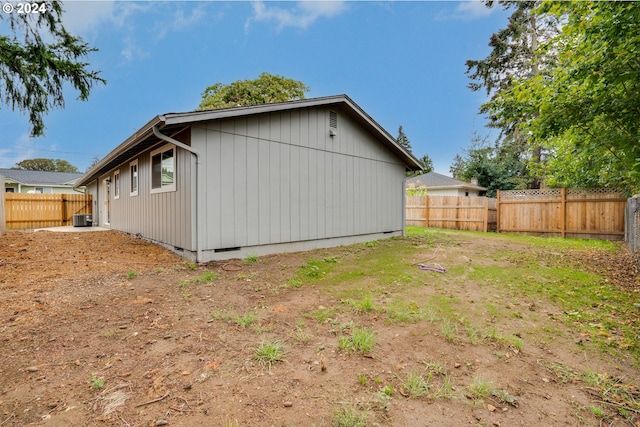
{"points": [[498, 211], [563, 207], [426, 210], [64, 210], [485, 224], [458, 213]]}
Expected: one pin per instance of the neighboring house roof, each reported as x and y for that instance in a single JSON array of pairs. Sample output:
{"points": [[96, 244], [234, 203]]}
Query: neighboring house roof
{"points": [[175, 122], [41, 178], [436, 181]]}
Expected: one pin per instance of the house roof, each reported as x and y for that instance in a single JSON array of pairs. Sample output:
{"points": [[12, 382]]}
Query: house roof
{"points": [[173, 123], [436, 181], [41, 178]]}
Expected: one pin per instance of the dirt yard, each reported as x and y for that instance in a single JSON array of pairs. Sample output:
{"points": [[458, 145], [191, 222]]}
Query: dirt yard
{"points": [[104, 329]]}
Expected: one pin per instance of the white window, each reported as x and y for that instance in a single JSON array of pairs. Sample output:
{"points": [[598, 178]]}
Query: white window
{"points": [[163, 166], [116, 184], [133, 178]]}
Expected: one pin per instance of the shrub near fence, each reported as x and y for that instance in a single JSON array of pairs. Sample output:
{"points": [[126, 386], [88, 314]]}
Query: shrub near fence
{"points": [[572, 212], [44, 210]]}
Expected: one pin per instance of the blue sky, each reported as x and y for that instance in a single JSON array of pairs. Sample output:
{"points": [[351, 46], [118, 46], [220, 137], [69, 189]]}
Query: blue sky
{"points": [[402, 62]]}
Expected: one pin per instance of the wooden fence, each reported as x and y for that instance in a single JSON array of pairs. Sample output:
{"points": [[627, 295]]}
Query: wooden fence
{"points": [[453, 212], [2, 213], [44, 210], [572, 212]]}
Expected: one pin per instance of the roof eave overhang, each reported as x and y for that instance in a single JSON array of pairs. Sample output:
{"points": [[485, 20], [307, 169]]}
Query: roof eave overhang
{"points": [[175, 119], [110, 160]]}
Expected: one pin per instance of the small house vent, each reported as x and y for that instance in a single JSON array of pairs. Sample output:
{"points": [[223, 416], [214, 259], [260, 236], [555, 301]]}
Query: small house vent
{"points": [[333, 120]]}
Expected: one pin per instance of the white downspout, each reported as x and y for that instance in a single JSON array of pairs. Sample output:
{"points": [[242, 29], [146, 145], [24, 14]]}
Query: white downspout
{"points": [[404, 204], [185, 147]]}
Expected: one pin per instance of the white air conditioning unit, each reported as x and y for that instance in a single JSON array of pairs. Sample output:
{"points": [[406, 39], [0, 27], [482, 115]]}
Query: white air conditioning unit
{"points": [[82, 220]]}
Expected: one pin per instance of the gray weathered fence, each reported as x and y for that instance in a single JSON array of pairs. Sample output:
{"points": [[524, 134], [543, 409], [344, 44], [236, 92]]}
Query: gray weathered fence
{"points": [[632, 224]]}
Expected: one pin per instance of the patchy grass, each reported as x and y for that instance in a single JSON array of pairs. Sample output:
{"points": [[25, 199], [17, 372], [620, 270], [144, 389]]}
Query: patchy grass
{"points": [[269, 352], [361, 340], [206, 277], [348, 417], [415, 385]]}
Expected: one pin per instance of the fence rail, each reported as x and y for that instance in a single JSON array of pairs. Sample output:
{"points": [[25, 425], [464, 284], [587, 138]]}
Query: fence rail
{"points": [[44, 210], [458, 213]]}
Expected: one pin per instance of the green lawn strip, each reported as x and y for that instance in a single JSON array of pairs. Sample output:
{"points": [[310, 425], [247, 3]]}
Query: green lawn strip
{"points": [[607, 314], [538, 269]]}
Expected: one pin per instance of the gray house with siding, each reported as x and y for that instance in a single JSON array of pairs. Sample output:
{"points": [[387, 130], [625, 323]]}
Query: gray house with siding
{"points": [[282, 177]]}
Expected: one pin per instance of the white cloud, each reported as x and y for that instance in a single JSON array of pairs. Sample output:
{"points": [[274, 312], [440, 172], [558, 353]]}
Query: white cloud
{"points": [[468, 10], [180, 21], [86, 17], [473, 10], [301, 16], [10, 156], [132, 51]]}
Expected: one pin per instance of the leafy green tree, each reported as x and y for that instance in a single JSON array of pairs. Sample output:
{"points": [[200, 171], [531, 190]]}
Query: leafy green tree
{"points": [[39, 60], [266, 89], [585, 109], [47, 165], [427, 163], [496, 167], [402, 139], [427, 166], [514, 57]]}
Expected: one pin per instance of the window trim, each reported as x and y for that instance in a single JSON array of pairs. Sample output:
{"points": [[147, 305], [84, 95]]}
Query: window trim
{"points": [[116, 184], [134, 191], [168, 187]]}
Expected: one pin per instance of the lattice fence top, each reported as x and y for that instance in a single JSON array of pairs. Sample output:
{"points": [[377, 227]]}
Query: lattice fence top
{"points": [[613, 193], [552, 193], [530, 194]]}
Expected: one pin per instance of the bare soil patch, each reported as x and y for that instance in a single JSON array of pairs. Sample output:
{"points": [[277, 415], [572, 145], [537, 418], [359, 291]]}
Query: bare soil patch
{"points": [[107, 329]]}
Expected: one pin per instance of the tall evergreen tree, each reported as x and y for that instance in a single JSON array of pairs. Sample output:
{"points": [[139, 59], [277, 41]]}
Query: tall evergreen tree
{"points": [[427, 163], [403, 140], [39, 60], [514, 57]]}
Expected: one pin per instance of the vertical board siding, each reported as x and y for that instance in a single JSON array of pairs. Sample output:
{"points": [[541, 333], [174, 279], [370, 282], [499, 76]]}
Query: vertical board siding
{"points": [[164, 217], [292, 182]]}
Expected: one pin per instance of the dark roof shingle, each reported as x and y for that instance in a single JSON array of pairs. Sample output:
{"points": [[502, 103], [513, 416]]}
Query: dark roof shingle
{"points": [[27, 177]]}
